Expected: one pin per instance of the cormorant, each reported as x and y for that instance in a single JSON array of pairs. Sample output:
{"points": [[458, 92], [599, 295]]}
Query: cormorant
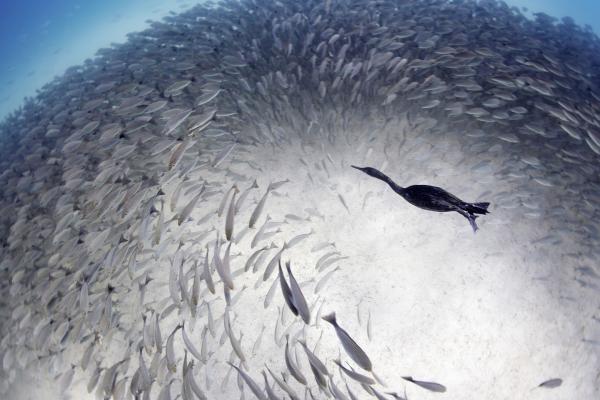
{"points": [[431, 198]]}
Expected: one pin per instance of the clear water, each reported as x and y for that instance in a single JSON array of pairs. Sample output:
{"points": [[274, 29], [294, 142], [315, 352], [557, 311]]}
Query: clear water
{"points": [[40, 39], [491, 315]]}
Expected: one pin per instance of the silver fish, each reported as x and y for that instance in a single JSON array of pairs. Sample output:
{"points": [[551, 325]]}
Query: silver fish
{"points": [[254, 388], [297, 239], [235, 343], [230, 216], [298, 297], [207, 274], [260, 234], [224, 200], [431, 386], [270, 293], [273, 263], [323, 281], [337, 393], [270, 394], [258, 209], [314, 360], [286, 388], [170, 354], [551, 383], [360, 378], [286, 291], [223, 267], [244, 195], [190, 345], [223, 155], [187, 210], [350, 346], [291, 365], [253, 258]]}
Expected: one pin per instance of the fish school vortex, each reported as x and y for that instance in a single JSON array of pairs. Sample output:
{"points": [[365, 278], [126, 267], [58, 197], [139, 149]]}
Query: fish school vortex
{"points": [[180, 219]]}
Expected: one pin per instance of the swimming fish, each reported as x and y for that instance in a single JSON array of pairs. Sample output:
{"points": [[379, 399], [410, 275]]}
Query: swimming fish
{"points": [[323, 281], [270, 394], [235, 343], [254, 388], [350, 346], [297, 239], [287, 293], [431, 386], [258, 209], [360, 378], [223, 267], [187, 210], [283, 385], [230, 216], [253, 258], [222, 155], [243, 195], [189, 344], [171, 361], [551, 383], [335, 391], [273, 263], [314, 361], [100, 172], [297, 296], [207, 274], [291, 365]]}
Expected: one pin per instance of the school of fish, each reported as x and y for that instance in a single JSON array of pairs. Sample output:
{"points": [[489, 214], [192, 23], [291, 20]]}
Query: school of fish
{"points": [[179, 218]]}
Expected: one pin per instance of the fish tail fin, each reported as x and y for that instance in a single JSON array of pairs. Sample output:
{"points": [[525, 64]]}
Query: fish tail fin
{"points": [[330, 318]]}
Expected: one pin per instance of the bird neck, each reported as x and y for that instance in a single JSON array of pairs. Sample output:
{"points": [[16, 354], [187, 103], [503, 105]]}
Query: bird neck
{"points": [[397, 188]]}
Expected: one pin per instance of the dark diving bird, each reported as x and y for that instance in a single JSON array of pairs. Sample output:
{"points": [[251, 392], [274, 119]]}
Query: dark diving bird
{"points": [[431, 198]]}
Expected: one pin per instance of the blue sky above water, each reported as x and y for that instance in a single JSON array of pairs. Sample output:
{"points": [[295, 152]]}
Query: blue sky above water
{"points": [[39, 39]]}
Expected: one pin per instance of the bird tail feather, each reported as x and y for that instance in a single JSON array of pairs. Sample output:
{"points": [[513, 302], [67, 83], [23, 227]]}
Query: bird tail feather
{"points": [[478, 208]]}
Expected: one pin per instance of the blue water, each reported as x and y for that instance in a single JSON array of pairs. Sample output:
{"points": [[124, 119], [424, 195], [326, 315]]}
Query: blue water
{"points": [[39, 39]]}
